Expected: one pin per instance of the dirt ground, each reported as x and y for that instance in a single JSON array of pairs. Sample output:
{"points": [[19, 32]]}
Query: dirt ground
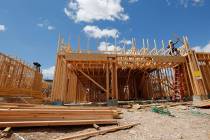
{"points": [[187, 124]]}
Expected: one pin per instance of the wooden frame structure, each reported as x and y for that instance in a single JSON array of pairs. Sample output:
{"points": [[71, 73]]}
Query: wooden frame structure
{"points": [[85, 76], [18, 79]]}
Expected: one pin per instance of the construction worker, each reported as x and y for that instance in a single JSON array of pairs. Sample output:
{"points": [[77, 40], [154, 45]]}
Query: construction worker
{"points": [[37, 66], [173, 50]]}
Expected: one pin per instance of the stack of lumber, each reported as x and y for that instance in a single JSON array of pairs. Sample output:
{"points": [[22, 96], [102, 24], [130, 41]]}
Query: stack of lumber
{"points": [[22, 115]]}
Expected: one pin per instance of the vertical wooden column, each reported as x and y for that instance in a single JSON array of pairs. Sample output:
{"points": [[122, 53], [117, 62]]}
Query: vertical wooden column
{"points": [[107, 81], [187, 86], [6, 73], [64, 81], [159, 83], [116, 83], [21, 76], [72, 87], [37, 82], [58, 80], [114, 80], [206, 74]]}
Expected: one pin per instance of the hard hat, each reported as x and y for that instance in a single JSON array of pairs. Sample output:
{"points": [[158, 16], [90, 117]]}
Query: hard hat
{"points": [[170, 41]]}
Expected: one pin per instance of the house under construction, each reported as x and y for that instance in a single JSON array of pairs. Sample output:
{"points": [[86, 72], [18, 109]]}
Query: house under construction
{"points": [[132, 74], [18, 79]]}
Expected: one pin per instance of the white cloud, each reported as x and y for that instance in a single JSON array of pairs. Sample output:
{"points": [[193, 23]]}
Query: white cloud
{"points": [[202, 49], [40, 25], [95, 10], [50, 27], [46, 25], [197, 2], [133, 1], [95, 32], [2, 28], [48, 73], [185, 3], [126, 42], [168, 2], [105, 46]]}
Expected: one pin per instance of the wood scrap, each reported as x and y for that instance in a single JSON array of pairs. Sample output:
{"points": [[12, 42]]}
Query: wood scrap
{"points": [[170, 104], [98, 132], [5, 132], [96, 126], [202, 104]]}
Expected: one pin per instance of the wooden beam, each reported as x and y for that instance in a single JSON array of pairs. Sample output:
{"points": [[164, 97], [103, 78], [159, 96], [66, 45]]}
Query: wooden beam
{"points": [[55, 123], [98, 132], [96, 83]]}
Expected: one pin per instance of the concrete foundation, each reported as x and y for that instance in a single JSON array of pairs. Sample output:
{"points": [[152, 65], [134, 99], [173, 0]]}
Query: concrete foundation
{"points": [[112, 102]]}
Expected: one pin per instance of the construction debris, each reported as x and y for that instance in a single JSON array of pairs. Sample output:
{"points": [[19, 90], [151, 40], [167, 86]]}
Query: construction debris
{"points": [[98, 132], [202, 104], [5, 132], [96, 126], [161, 110]]}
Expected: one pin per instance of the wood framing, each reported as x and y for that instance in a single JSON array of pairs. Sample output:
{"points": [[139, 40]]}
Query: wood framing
{"points": [[17, 79], [85, 76]]}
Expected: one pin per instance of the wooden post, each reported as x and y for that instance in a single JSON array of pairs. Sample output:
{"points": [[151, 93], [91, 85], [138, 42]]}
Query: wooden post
{"points": [[72, 86], [107, 81], [186, 80], [114, 81], [37, 82], [159, 84], [78, 49]]}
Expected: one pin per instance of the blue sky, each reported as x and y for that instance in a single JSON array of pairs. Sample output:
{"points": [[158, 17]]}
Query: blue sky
{"points": [[29, 29]]}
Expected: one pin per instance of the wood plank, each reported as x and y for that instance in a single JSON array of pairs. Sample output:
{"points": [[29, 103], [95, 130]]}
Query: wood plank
{"points": [[98, 132], [56, 123]]}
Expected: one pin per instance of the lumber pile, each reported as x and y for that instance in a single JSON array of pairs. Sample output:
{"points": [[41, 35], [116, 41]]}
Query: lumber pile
{"points": [[20, 115]]}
